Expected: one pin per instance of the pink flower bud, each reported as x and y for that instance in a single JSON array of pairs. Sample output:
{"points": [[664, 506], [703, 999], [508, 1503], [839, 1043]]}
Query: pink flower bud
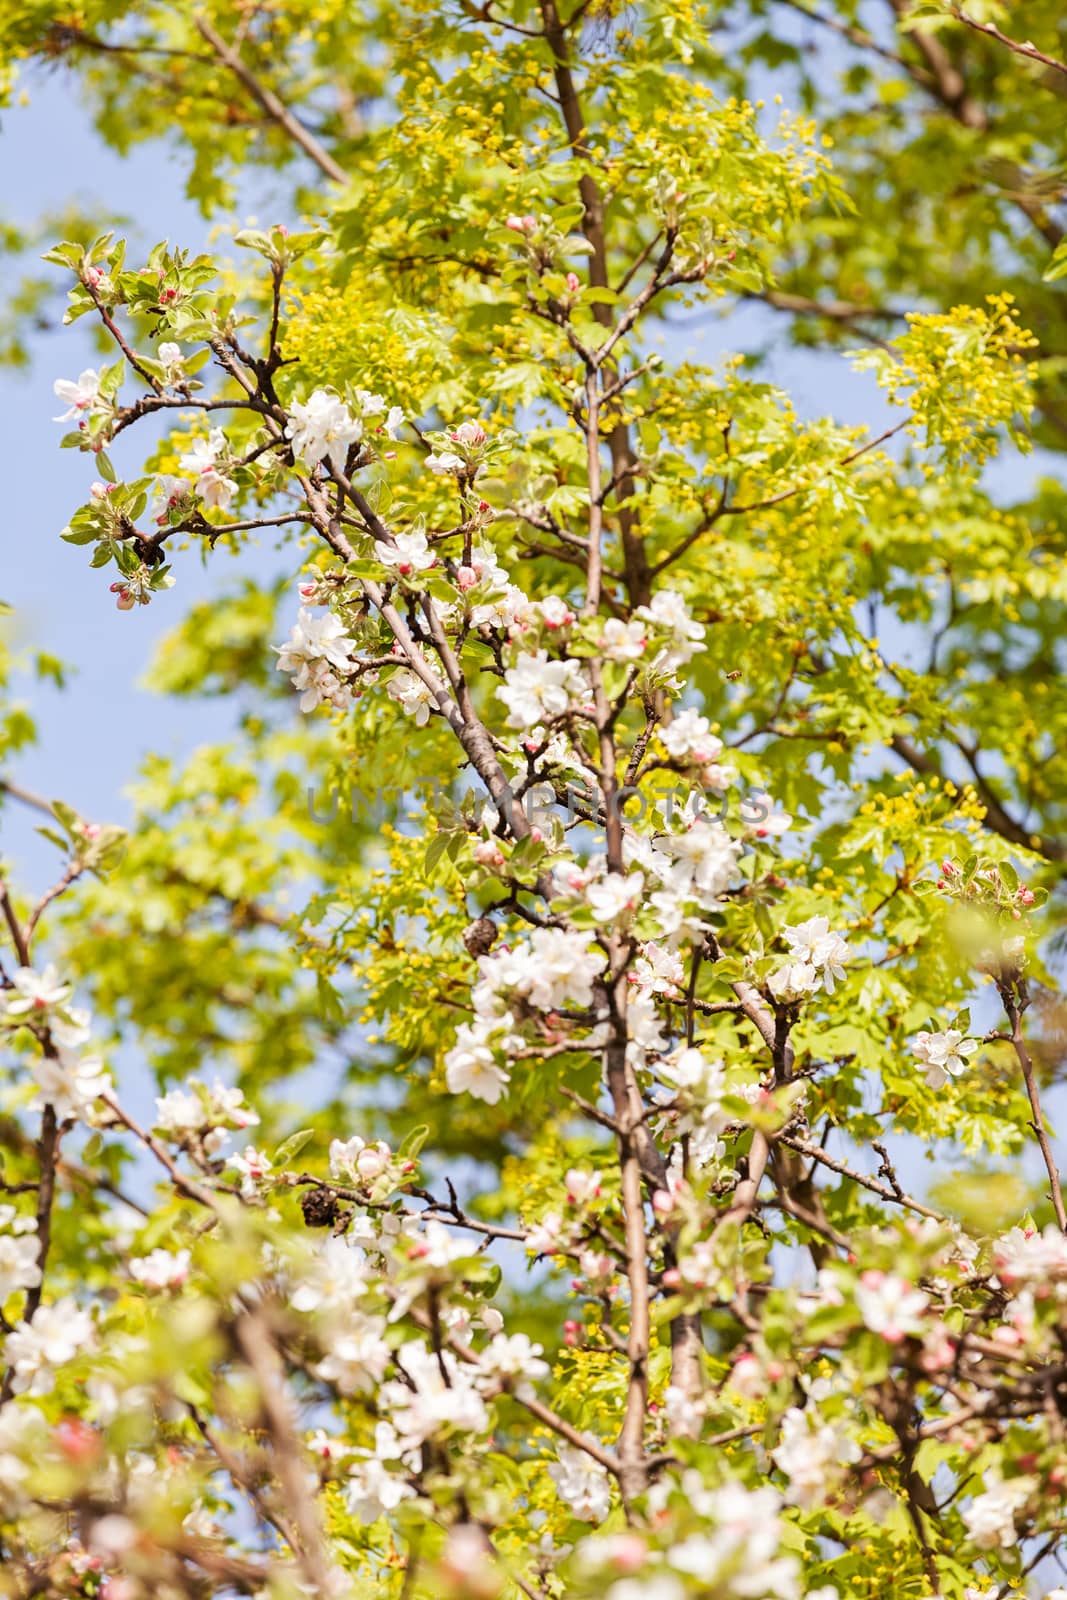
{"points": [[125, 601], [573, 283], [1026, 897], [466, 577], [488, 854], [404, 568], [307, 590]]}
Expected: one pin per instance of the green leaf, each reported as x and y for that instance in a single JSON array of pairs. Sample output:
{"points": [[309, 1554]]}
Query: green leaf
{"points": [[290, 1148]]}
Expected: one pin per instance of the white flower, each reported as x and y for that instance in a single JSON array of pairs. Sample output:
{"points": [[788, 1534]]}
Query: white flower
{"points": [[409, 691], [36, 993], [161, 1269], [355, 1158], [358, 1356], [699, 1086], [19, 1251], [582, 1483], [990, 1517], [323, 427], [537, 689], [689, 737], [706, 859], [253, 1167], [471, 434], [659, 970], [654, 1586], [582, 1186], [615, 896], [79, 395], [889, 1305], [809, 1452], [443, 1400], [69, 1083], [335, 1278], [556, 968], [793, 981], [761, 818], [53, 1336], [555, 612], [446, 461], [170, 358], [668, 613], [623, 641], [394, 421], [545, 1238], [212, 486], [471, 1067], [373, 1491], [408, 553], [1026, 1256], [317, 650], [814, 942], [515, 1359], [943, 1055]]}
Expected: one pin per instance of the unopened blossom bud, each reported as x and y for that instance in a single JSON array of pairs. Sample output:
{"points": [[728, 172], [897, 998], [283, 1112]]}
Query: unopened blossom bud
{"points": [[574, 283], [308, 590], [662, 1203], [91, 830], [571, 1331], [1026, 897], [77, 1440], [125, 601], [748, 1377], [466, 578], [488, 854], [371, 1163]]}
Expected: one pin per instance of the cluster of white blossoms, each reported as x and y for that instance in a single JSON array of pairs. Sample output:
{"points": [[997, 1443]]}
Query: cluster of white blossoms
{"points": [[1024, 1255], [323, 428], [54, 1336], [817, 958], [812, 1453], [203, 459], [556, 968], [413, 694], [990, 1517], [736, 1556], [697, 1087], [944, 1055], [539, 688], [319, 656], [205, 1116], [582, 1483], [161, 1269], [890, 1305], [69, 1082], [19, 1252]]}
